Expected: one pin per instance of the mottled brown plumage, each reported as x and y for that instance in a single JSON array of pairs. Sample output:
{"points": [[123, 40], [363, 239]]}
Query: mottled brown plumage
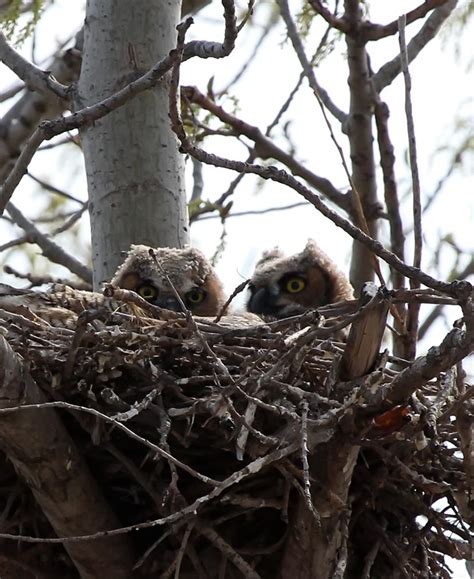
{"points": [[283, 286], [188, 270], [149, 274]]}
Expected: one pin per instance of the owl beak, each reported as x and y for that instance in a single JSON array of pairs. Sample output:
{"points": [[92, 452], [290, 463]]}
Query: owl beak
{"points": [[169, 303], [262, 301]]}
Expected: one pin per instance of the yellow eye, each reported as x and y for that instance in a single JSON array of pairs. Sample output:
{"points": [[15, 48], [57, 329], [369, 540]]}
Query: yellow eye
{"points": [[147, 292], [195, 296], [295, 284]]}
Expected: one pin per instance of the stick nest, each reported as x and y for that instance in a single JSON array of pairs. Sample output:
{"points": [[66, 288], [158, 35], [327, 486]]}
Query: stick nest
{"points": [[204, 435]]}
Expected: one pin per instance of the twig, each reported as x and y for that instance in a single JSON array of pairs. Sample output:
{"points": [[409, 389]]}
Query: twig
{"points": [[266, 148], [138, 407], [182, 549], [205, 49], [338, 23], [389, 71], [251, 469], [155, 448], [254, 212], [357, 208], [240, 288], [372, 31], [54, 189], [280, 176], [304, 459], [251, 58], [49, 248], [413, 308], [435, 312], [228, 551]]}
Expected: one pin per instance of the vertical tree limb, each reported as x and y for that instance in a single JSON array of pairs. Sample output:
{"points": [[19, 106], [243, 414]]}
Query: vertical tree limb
{"points": [[359, 129], [413, 308]]}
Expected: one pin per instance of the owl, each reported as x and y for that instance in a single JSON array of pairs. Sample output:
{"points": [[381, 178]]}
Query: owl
{"points": [[188, 270], [285, 286], [149, 274]]}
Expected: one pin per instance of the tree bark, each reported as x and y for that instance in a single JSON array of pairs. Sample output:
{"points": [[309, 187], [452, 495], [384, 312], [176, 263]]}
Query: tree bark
{"points": [[134, 169], [361, 139], [320, 550]]}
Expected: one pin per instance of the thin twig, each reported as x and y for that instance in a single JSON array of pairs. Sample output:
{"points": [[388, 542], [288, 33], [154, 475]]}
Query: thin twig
{"points": [[155, 448], [304, 459], [413, 308], [49, 248]]}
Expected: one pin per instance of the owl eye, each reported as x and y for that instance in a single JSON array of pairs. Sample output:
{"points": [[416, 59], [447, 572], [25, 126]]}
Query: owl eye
{"points": [[294, 285], [195, 296], [147, 292]]}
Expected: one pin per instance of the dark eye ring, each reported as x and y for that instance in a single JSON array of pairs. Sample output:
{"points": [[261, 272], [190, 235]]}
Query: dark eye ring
{"points": [[195, 296], [147, 292], [295, 285]]}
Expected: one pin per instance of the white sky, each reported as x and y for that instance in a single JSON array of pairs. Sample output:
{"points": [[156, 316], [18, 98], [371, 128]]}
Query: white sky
{"points": [[441, 93]]}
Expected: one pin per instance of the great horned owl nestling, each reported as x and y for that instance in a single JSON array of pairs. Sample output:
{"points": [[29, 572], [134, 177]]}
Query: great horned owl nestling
{"points": [[189, 271], [284, 286]]}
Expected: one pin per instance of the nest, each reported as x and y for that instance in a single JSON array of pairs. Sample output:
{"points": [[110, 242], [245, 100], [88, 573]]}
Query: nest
{"points": [[207, 441]]}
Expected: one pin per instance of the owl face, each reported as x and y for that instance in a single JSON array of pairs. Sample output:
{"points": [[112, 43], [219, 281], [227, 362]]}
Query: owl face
{"points": [[285, 286], [188, 270]]}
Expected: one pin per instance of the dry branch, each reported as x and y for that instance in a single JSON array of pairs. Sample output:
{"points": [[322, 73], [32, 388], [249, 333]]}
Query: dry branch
{"points": [[389, 71], [33, 77]]}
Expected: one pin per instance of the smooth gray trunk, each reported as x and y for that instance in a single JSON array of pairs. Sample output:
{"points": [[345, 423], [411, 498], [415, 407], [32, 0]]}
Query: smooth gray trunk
{"points": [[134, 170]]}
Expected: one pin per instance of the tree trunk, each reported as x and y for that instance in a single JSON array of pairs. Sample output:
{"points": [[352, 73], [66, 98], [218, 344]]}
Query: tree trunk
{"points": [[45, 456], [361, 141], [134, 170], [320, 549]]}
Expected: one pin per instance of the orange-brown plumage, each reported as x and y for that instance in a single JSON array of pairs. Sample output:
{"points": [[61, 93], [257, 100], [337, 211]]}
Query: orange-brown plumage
{"points": [[152, 273], [282, 286]]}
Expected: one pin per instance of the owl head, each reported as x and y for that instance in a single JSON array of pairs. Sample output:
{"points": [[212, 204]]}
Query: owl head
{"points": [[283, 286], [188, 270]]}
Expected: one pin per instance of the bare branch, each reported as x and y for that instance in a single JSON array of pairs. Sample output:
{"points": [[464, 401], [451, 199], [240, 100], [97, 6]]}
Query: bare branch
{"points": [[413, 309], [31, 75], [49, 248], [389, 71], [456, 346], [335, 22], [266, 148], [280, 176], [321, 95], [18, 124], [206, 49], [372, 31], [255, 211], [467, 272]]}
